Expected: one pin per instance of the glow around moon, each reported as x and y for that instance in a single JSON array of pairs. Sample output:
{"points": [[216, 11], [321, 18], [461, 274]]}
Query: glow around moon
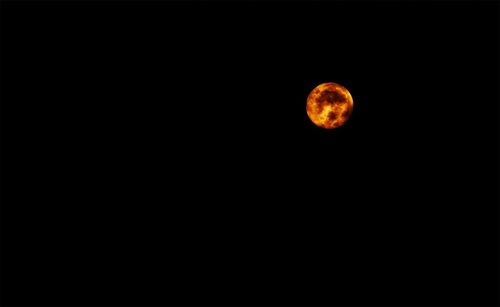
{"points": [[329, 105]]}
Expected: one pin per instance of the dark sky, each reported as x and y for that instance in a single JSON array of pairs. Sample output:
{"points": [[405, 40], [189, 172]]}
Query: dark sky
{"points": [[159, 153]]}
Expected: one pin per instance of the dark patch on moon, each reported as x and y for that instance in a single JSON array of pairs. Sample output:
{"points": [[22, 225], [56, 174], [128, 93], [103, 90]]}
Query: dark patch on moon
{"points": [[342, 100], [319, 104], [331, 96], [332, 116]]}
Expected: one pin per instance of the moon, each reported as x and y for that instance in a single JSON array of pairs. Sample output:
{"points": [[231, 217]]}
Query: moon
{"points": [[329, 105]]}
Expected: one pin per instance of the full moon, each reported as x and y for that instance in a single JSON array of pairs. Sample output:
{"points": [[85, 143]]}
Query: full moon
{"points": [[329, 105]]}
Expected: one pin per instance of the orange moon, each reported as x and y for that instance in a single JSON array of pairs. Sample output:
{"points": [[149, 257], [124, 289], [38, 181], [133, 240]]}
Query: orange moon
{"points": [[329, 105]]}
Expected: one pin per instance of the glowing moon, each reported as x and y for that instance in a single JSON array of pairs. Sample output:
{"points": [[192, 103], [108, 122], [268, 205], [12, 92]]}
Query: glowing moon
{"points": [[329, 105]]}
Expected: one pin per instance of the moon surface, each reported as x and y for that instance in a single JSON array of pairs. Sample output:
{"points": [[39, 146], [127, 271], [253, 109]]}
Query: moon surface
{"points": [[329, 105]]}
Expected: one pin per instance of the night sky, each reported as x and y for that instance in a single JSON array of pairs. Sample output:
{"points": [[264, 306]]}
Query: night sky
{"points": [[159, 153]]}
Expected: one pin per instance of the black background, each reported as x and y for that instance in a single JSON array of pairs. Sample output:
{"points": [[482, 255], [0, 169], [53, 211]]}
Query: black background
{"points": [[159, 153]]}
